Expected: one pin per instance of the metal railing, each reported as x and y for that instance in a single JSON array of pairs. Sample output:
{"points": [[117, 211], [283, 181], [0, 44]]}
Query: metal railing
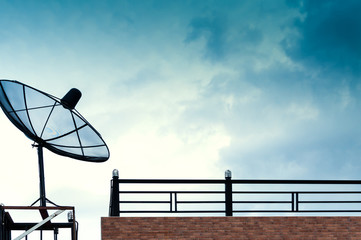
{"points": [[228, 201]]}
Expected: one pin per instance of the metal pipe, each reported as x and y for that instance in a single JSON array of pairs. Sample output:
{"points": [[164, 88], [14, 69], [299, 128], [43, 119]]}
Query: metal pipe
{"points": [[41, 176]]}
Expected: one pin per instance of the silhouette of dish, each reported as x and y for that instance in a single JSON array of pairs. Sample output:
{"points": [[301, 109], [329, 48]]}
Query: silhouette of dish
{"points": [[51, 122]]}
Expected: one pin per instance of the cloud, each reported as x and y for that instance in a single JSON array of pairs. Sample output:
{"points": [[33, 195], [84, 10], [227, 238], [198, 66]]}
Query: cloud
{"points": [[283, 124], [223, 38], [328, 36], [213, 30]]}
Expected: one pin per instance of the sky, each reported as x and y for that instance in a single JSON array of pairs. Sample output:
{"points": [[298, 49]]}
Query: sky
{"points": [[186, 89]]}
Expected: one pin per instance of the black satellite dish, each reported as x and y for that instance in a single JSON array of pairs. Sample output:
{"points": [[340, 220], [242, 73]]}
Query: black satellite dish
{"points": [[52, 123]]}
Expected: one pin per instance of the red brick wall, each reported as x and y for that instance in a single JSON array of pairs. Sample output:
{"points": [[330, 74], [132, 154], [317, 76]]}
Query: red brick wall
{"points": [[231, 228]]}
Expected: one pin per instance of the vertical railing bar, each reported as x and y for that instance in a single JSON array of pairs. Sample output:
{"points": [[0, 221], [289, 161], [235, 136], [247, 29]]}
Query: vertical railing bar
{"points": [[296, 201], [171, 201], [175, 202], [293, 201]]}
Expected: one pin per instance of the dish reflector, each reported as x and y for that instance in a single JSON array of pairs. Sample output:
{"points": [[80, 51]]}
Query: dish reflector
{"points": [[52, 122]]}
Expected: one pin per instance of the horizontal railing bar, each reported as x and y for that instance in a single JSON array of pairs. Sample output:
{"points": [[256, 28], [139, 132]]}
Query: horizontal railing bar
{"points": [[241, 192], [178, 202], [290, 211], [49, 226], [203, 211], [329, 201], [173, 181], [265, 181], [200, 202], [325, 211], [262, 211], [298, 201], [341, 192], [262, 192], [183, 211], [239, 181], [145, 211], [200, 192], [167, 192], [262, 202], [144, 202], [37, 208], [300, 192]]}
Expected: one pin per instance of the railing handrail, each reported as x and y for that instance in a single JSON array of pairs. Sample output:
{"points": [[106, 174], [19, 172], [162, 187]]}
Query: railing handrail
{"points": [[173, 181], [239, 181]]}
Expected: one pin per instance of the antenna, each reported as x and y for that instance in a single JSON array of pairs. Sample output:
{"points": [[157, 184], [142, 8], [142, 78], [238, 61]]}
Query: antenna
{"points": [[52, 123]]}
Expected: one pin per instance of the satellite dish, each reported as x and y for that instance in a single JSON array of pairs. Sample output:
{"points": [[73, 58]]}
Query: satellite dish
{"points": [[52, 123]]}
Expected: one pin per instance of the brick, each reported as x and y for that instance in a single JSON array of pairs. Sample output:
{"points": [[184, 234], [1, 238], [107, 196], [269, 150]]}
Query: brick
{"points": [[231, 228]]}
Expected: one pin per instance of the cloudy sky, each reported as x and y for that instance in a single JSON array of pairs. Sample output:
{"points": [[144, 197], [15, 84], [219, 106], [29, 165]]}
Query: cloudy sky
{"points": [[186, 89]]}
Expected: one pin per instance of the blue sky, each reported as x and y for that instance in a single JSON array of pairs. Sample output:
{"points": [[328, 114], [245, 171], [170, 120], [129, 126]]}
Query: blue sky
{"points": [[187, 89]]}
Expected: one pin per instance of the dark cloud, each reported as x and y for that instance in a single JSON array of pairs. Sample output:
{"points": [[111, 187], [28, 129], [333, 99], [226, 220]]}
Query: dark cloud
{"points": [[285, 121], [328, 37], [224, 38]]}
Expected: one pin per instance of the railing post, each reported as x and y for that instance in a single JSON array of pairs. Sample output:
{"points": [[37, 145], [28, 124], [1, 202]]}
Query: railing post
{"points": [[115, 194], [228, 193]]}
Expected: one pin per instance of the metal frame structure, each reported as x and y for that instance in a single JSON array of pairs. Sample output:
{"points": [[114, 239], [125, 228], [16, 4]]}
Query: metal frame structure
{"points": [[293, 201], [8, 225], [55, 124]]}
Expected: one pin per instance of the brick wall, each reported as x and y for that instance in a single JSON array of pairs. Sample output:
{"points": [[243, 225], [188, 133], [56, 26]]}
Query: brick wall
{"points": [[231, 228]]}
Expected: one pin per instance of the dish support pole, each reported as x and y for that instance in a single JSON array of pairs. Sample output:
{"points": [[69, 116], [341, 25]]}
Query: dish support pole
{"points": [[41, 176]]}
